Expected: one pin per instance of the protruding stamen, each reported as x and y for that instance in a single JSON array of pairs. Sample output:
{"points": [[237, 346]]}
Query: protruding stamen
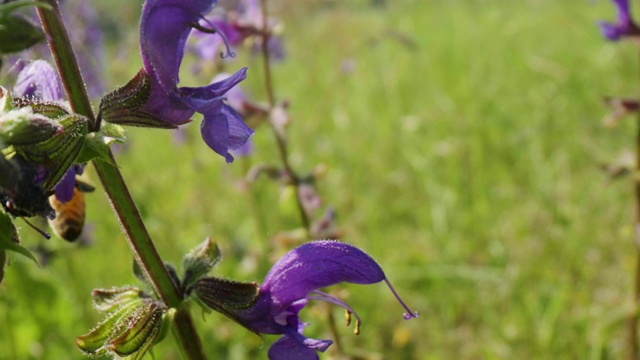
{"points": [[347, 316], [319, 295], [409, 314], [357, 329], [201, 28], [229, 53]]}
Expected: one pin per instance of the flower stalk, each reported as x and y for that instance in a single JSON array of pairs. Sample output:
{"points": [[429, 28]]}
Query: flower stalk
{"points": [[634, 348], [115, 186], [280, 140]]}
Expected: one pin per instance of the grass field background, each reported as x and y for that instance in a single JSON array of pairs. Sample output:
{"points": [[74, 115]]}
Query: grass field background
{"points": [[462, 149]]}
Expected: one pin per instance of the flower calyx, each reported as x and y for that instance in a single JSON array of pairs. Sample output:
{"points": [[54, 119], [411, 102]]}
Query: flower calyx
{"points": [[134, 324], [124, 106]]}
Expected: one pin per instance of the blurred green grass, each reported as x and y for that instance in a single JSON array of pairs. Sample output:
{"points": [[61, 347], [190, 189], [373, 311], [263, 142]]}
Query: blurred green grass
{"points": [[463, 147]]}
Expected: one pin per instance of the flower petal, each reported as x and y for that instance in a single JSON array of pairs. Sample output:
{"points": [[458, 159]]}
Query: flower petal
{"points": [[286, 348], [610, 31], [64, 188], [164, 28], [168, 108], [236, 98], [223, 130], [316, 265], [40, 81], [198, 97]]}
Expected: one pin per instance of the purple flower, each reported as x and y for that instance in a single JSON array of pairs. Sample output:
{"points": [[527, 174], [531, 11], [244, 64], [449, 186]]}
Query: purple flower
{"points": [[244, 22], [39, 81], [236, 98], [88, 42], [65, 187], [624, 27], [164, 28], [86, 39], [294, 280]]}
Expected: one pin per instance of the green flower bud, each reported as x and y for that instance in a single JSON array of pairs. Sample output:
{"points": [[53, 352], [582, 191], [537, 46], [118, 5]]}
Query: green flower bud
{"points": [[60, 151], [139, 330], [22, 127], [199, 261], [135, 322], [110, 299], [51, 109], [96, 339]]}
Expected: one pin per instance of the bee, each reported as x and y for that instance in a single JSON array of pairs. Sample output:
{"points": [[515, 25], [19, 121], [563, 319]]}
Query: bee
{"points": [[69, 220]]}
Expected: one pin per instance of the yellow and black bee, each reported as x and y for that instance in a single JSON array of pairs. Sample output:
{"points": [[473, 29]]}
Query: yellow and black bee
{"points": [[69, 220]]}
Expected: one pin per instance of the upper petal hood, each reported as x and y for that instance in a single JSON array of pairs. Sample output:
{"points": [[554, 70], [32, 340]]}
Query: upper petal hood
{"points": [[164, 28], [316, 265]]}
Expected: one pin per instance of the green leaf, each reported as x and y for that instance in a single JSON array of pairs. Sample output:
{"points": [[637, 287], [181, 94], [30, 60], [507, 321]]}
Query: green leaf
{"points": [[9, 238], [3, 261], [6, 9], [96, 146], [18, 33]]}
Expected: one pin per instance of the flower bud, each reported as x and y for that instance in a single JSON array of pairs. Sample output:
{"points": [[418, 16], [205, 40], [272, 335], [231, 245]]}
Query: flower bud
{"points": [[22, 127], [133, 325], [58, 152], [51, 109], [139, 330], [110, 299], [200, 260], [10, 241]]}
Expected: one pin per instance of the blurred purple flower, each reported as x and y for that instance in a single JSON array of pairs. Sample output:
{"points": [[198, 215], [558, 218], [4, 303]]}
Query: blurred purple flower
{"points": [[294, 280], [39, 81], [86, 37], [164, 28], [624, 26], [244, 22], [246, 150]]}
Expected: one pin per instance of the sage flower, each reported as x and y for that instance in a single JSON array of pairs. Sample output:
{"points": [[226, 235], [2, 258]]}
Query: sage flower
{"points": [[292, 282], [165, 26]]}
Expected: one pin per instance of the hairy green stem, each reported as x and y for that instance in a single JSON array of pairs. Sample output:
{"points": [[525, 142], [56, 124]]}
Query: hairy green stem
{"points": [[115, 187]]}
